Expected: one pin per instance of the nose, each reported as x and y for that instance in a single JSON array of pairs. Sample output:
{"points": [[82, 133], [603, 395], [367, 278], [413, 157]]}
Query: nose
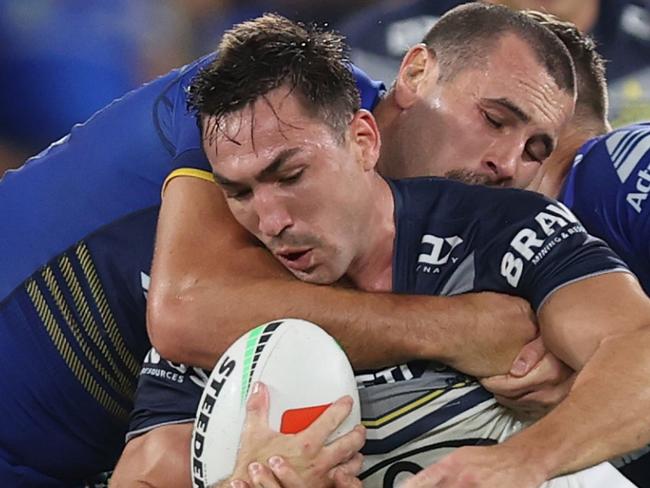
{"points": [[501, 162], [273, 215]]}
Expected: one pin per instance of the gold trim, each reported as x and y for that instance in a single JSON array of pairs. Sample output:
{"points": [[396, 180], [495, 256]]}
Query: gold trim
{"points": [[69, 356], [409, 407], [83, 254], [192, 172]]}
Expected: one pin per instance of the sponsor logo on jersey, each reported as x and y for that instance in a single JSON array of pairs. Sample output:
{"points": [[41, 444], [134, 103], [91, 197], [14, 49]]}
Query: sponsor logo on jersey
{"points": [[553, 225], [438, 252], [175, 372], [403, 372], [637, 198]]}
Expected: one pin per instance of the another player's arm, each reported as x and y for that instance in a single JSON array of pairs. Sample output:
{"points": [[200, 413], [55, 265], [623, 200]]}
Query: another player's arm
{"points": [[601, 327], [211, 282]]}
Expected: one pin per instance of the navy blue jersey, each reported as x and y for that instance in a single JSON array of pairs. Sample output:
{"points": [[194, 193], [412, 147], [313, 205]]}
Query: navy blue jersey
{"points": [[450, 238], [608, 188], [77, 227]]}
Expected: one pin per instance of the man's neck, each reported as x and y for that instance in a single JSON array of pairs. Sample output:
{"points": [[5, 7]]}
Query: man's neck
{"points": [[372, 269]]}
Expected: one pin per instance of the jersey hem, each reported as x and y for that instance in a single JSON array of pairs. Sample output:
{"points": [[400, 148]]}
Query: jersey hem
{"points": [[575, 280]]}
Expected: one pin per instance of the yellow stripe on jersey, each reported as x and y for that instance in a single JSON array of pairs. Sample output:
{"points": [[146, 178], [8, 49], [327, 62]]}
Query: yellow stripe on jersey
{"points": [[99, 297], [69, 356], [192, 172], [69, 319], [125, 382], [409, 407]]}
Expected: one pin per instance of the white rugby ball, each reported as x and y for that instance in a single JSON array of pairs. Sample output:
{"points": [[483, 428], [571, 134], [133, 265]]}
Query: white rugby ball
{"points": [[304, 369]]}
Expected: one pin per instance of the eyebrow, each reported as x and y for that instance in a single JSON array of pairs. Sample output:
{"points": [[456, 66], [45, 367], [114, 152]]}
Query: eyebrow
{"points": [[511, 107], [265, 174]]}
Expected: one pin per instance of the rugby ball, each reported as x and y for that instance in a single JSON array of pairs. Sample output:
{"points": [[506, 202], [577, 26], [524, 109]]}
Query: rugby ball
{"points": [[305, 371]]}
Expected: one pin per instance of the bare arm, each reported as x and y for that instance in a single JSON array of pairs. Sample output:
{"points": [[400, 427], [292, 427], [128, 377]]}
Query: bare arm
{"points": [[600, 327], [211, 282]]}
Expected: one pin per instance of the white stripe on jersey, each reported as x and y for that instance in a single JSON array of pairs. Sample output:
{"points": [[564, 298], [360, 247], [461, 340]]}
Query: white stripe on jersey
{"points": [[626, 148]]}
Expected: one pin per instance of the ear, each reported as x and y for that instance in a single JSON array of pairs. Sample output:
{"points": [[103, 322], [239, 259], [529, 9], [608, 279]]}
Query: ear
{"points": [[364, 136], [418, 64]]}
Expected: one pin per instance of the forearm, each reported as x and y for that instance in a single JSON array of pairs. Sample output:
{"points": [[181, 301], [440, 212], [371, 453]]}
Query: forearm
{"points": [[375, 330], [210, 283], [605, 415]]}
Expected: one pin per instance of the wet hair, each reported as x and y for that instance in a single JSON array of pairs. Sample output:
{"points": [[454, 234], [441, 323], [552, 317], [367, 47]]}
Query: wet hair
{"points": [[466, 35], [260, 55], [592, 101]]}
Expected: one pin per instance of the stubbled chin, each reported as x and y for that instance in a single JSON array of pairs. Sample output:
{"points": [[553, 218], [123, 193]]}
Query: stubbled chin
{"points": [[314, 277]]}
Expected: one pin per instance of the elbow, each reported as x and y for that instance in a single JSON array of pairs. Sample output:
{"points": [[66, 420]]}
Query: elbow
{"points": [[166, 328]]}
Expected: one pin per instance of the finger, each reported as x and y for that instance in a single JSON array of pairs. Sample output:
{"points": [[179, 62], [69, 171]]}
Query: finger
{"points": [[285, 473], [235, 484], [342, 479], [262, 477], [427, 478], [547, 373], [544, 395], [257, 413], [528, 357], [344, 448], [330, 419], [353, 465]]}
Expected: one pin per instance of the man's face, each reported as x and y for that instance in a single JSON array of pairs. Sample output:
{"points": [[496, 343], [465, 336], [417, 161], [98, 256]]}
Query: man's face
{"points": [[490, 124], [290, 182]]}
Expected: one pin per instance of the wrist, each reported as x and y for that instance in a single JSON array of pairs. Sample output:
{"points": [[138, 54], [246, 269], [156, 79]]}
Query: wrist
{"points": [[539, 456]]}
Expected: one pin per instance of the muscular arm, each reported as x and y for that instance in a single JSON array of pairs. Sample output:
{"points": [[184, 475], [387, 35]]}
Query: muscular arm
{"points": [[211, 282], [601, 327]]}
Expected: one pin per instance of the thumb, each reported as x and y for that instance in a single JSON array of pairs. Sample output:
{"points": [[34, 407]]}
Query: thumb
{"points": [[531, 354], [257, 411]]}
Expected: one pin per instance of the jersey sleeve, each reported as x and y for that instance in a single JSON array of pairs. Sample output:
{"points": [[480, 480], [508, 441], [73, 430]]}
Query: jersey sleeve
{"points": [[608, 190], [167, 393], [544, 247], [179, 129]]}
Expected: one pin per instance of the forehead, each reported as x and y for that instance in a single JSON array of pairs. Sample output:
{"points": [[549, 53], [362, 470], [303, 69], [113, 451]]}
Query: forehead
{"points": [[511, 70], [253, 135]]}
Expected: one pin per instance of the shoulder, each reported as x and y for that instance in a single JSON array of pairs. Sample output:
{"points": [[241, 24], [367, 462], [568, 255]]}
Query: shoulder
{"points": [[614, 167], [438, 197]]}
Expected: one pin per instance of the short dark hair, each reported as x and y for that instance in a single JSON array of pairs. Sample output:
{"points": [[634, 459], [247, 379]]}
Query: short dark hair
{"points": [[465, 35], [260, 55], [592, 101]]}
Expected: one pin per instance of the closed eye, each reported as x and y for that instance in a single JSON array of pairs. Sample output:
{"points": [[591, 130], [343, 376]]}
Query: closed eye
{"points": [[292, 178], [492, 121], [240, 195]]}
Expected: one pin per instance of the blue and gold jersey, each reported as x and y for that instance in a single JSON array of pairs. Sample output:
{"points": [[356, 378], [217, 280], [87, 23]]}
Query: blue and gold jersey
{"points": [[77, 226], [608, 188]]}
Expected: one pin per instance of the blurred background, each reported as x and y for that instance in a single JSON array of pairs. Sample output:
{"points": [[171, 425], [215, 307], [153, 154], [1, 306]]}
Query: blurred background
{"points": [[61, 60]]}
